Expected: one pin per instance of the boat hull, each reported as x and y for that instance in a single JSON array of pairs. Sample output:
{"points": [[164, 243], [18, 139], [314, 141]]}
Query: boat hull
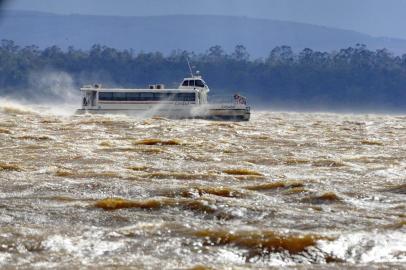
{"points": [[207, 112]]}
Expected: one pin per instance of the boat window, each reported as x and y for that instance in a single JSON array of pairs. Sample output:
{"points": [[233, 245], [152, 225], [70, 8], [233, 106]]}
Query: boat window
{"points": [[167, 96], [185, 97], [119, 96], [185, 83], [105, 96], [191, 83], [146, 96], [161, 96], [133, 96], [199, 83], [156, 96]]}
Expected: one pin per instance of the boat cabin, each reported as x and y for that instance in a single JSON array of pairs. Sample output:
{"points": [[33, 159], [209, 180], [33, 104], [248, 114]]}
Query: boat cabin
{"points": [[191, 91], [195, 82]]}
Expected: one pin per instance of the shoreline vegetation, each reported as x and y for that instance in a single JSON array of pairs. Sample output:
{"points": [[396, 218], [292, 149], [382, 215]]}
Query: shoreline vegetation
{"points": [[353, 77]]}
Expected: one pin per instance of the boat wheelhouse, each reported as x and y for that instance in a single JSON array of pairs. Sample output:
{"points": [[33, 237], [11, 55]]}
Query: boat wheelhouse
{"points": [[189, 100]]}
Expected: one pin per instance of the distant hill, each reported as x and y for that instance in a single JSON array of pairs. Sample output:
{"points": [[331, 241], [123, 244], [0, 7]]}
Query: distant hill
{"points": [[192, 33]]}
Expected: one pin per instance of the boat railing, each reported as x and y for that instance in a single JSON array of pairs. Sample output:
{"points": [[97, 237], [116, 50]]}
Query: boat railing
{"points": [[220, 99], [230, 99]]}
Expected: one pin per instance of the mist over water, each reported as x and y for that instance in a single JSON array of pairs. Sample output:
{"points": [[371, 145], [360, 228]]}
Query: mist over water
{"points": [[51, 92], [285, 189], [53, 86]]}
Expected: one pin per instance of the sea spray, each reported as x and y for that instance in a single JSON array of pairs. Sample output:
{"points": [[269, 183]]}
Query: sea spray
{"points": [[49, 92]]}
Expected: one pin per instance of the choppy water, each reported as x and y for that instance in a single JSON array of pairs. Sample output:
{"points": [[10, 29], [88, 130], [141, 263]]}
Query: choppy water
{"points": [[302, 190]]}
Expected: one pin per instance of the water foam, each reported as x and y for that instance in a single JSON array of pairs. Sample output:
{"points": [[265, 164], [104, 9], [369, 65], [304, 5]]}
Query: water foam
{"points": [[374, 247], [9, 106]]}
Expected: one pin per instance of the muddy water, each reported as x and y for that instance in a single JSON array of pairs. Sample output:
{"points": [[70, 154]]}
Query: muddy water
{"points": [[283, 190]]}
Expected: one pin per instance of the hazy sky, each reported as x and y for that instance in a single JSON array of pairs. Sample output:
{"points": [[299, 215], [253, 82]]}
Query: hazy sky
{"points": [[374, 17]]}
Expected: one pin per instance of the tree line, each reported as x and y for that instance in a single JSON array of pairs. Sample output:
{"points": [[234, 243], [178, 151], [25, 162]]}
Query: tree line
{"points": [[350, 78]]}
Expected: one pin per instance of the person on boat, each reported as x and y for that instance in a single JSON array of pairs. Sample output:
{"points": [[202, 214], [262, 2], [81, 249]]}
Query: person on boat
{"points": [[240, 99]]}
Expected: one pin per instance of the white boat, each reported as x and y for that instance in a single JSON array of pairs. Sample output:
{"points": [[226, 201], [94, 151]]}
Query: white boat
{"points": [[189, 100]]}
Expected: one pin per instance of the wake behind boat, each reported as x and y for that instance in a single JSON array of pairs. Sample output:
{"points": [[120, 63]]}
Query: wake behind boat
{"points": [[189, 100]]}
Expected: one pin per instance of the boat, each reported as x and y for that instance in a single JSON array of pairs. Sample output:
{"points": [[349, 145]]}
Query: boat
{"points": [[190, 100]]}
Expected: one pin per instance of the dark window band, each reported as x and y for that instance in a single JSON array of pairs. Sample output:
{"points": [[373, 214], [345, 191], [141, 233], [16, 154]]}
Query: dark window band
{"points": [[145, 96]]}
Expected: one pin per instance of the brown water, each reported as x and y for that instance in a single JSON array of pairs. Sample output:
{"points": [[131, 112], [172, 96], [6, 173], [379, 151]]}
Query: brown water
{"points": [[300, 190]]}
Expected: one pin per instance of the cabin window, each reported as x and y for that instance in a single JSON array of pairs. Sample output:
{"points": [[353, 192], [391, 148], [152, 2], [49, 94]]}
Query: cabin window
{"points": [[167, 96], [105, 96], [119, 96], [160, 96], [133, 96], [145, 96], [199, 83], [185, 83], [163, 96], [185, 97], [191, 83]]}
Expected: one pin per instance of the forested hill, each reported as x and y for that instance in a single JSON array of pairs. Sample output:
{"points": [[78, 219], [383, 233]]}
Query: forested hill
{"points": [[185, 32], [353, 78]]}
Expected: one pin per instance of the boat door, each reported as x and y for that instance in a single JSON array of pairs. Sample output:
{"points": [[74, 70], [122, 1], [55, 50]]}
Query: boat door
{"points": [[90, 99], [93, 98]]}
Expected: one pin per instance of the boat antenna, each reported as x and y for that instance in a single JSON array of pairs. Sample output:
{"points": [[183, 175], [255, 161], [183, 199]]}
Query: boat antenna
{"points": [[190, 68]]}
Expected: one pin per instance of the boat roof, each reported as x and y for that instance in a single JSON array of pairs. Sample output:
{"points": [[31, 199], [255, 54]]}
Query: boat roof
{"points": [[196, 77], [99, 88], [137, 90]]}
